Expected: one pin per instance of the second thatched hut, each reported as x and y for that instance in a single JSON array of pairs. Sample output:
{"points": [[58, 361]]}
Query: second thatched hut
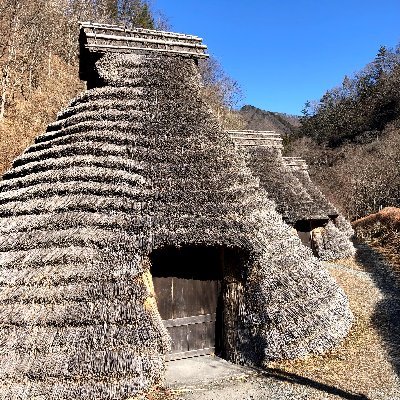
{"points": [[332, 239]]}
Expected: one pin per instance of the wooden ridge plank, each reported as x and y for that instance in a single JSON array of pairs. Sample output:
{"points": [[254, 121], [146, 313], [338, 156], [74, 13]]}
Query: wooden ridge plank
{"points": [[150, 32], [151, 49], [249, 131], [144, 40], [264, 138]]}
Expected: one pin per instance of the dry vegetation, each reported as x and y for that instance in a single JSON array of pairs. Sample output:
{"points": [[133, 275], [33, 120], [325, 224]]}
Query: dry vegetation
{"points": [[382, 231], [30, 117], [351, 138], [361, 365], [358, 178]]}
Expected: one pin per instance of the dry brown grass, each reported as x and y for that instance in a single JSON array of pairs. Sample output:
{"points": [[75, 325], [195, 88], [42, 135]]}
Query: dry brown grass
{"points": [[382, 232], [360, 364], [159, 394], [391, 252], [388, 215], [29, 116]]}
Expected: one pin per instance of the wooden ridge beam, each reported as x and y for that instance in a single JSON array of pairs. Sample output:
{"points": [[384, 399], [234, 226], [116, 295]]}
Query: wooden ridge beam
{"points": [[142, 31], [105, 47], [144, 40], [238, 135], [271, 138]]}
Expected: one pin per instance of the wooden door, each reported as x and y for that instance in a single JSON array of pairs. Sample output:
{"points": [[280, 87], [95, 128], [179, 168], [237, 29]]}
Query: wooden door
{"points": [[187, 286], [188, 308]]}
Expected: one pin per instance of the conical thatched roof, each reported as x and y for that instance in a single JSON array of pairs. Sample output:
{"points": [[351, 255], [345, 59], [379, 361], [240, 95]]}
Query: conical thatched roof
{"points": [[321, 205], [129, 167], [344, 225], [263, 153], [333, 241]]}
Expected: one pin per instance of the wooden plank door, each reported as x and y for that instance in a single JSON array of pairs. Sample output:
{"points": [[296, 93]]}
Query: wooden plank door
{"points": [[188, 308]]}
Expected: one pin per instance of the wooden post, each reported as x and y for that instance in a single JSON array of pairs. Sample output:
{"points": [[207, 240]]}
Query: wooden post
{"points": [[232, 295]]}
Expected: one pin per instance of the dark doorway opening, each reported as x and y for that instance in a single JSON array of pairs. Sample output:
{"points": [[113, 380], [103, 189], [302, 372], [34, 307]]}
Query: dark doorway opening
{"points": [[193, 286], [304, 228]]}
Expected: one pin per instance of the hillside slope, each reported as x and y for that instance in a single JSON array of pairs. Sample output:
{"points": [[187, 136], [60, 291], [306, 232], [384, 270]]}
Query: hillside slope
{"points": [[382, 231], [257, 119]]}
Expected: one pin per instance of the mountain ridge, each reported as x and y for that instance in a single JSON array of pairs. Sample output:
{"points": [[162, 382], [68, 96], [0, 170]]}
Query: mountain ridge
{"points": [[255, 118]]}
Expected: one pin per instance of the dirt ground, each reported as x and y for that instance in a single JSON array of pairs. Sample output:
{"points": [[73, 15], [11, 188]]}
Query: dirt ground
{"points": [[368, 361], [365, 366]]}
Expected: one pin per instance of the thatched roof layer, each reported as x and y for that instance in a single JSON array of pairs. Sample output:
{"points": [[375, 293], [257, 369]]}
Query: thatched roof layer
{"points": [[330, 243], [333, 241], [263, 153], [321, 205], [344, 226], [136, 165]]}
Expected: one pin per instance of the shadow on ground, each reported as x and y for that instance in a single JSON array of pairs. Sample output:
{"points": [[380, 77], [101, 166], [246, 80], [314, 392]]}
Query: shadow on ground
{"points": [[386, 317], [288, 377]]}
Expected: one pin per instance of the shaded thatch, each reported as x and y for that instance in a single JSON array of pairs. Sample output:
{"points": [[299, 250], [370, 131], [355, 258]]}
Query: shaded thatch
{"points": [[263, 153], [344, 226], [321, 206], [129, 167], [332, 241]]}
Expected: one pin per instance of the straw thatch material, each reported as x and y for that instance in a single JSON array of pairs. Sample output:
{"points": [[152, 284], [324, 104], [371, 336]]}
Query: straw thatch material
{"points": [[333, 241], [330, 243], [136, 165], [321, 205], [263, 153], [344, 226]]}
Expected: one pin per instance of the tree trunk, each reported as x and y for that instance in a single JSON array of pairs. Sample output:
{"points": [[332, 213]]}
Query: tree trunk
{"points": [[4, 91]]}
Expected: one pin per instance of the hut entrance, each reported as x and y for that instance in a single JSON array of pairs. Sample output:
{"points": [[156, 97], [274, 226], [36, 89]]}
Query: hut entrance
{"points": [[305, 227], [190, 287]]}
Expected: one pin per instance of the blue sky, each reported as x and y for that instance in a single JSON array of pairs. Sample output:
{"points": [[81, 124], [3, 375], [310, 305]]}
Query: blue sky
{"points": [[285, 52]]}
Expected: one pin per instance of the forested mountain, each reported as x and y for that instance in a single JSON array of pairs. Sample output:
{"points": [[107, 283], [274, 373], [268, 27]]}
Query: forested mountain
{"points": [[361, 108], [351, 138], [257, 119]]}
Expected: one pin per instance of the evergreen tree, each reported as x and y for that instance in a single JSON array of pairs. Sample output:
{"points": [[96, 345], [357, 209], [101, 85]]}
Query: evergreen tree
{"points": [[136, 13], [361, 107]]}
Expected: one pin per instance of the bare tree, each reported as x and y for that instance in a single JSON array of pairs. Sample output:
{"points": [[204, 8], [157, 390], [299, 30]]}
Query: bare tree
{"points": [[222, 93]]}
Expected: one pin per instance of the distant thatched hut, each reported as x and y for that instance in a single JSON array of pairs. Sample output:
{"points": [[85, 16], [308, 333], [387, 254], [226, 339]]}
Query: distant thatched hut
{"points": [[135, 184], [263, 153], [321, 206], [332, 238]]}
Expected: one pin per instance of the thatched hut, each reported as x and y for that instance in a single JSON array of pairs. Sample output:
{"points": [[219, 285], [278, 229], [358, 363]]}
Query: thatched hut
{"points": [[130, 202], [331, 238], [322, 207], [263, 153]]}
